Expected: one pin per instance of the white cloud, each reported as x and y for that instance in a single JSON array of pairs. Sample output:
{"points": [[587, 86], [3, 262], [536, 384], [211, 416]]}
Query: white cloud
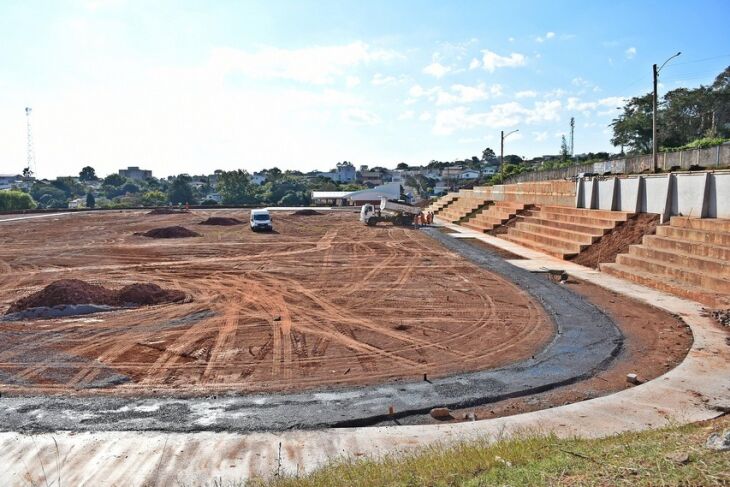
{"points": [[359, 116], [549, 35], [462, 94], [316, 65], [425, 116], [352, 81], [407, 115], [492, 60], [540, 136], [511, 39], [630, 53], [526, 94], [501, 116], [436, 69], [380, 79], [578, 81], [474, 64]]}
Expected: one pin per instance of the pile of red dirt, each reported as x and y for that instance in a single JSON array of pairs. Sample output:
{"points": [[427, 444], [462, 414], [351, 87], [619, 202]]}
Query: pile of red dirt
{"points": [[169, 232], [167, 211], [75, 291], [220, 220], [306, 212], [618, 241]]}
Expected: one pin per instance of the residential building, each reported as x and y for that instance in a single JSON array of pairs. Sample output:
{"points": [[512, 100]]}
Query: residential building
{"points": [[258, 178], [134, 172], [344, 173], [469, 174], [356, 198], [217, 197]]}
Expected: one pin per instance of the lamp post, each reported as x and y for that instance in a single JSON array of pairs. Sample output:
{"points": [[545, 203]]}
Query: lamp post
{"points": [[655, 72], [501, 150]]}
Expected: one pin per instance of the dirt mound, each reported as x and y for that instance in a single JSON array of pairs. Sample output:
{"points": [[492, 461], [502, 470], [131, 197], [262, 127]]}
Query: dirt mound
{"points": [[220, 220], [618, 241], [148, 294], [169, 232], [167, 211], [75, 291], [65, 291], [306, 212]]}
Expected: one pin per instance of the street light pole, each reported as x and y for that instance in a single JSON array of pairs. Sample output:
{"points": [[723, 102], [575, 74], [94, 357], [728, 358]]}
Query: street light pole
{"points": [[655, 75], [501, 150]]}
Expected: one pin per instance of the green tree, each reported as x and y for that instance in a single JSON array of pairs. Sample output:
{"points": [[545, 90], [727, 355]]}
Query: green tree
{"points": [[114, 179], [181, 192], [401, 166], [15, 200], [154, 198], [90, 200], [564, 150], [488, 155], [236, 188], [69, 186], [27, 172], [87, 174], [633, 127]]}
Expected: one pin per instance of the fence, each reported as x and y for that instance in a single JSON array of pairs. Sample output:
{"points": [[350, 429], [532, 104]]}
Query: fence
{"points": [[709, 158]]}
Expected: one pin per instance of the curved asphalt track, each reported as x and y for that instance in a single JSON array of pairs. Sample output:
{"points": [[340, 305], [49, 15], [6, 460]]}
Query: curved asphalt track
{"points": [[585, 343]]}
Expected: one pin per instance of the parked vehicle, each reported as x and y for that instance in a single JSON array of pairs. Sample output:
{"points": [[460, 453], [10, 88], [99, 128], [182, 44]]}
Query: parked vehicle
{"points": [[395, 212], [260, 220]]}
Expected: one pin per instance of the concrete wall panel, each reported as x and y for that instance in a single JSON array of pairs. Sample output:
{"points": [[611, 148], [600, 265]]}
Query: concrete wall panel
{"points": [[653, 199], [689, 195], [606, 194], [627, 194], [719, 196]]}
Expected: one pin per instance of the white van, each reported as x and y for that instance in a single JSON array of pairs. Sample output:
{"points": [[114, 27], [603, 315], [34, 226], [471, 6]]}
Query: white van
{"points": [[260, 220]]}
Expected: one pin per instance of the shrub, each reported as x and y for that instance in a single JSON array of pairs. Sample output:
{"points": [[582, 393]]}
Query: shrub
{"points": [[16, 200]]}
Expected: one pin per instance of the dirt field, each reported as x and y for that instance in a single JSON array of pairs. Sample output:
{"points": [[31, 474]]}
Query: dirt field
{"points": [[323, 301]]}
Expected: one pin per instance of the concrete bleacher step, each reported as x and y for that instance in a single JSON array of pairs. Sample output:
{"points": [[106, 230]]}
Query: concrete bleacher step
{"points": [[575, 227], [662, 269], [580, 219], [543, 247], [538, 239], [586, 213], [721, 239], [666, 284], [707, 224], [716, 267], [687, 247], [578, 237]]}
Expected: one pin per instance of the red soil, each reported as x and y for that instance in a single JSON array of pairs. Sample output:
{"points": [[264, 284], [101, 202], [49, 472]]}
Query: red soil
{"points": [[75, 291], [617, 242]]}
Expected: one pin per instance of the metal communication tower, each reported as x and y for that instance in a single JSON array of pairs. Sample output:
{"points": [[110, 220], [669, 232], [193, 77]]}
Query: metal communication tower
{"points": [[30, 153], [572, 136]]}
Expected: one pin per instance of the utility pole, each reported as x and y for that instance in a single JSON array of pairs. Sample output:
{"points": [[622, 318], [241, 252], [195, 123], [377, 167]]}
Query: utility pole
{"points": [[501, 149], [655, 75]]}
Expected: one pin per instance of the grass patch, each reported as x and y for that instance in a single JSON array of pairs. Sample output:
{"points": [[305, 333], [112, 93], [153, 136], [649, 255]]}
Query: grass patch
{"points": [[647, 458]]}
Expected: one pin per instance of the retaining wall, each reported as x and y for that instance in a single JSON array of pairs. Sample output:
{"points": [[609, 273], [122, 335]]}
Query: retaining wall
{"points": [[701, 194], [709, 158]]}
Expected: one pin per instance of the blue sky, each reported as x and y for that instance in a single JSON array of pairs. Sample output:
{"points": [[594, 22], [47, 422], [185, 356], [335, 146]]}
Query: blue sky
{"points": [[196, 86]]}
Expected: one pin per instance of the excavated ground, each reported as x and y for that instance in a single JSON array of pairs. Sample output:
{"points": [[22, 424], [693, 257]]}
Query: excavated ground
{"points": [[323, 302]]}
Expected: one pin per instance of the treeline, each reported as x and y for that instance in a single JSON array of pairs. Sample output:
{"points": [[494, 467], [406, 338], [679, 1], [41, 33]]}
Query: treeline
{"points": [[685, 116], [15, 200]]}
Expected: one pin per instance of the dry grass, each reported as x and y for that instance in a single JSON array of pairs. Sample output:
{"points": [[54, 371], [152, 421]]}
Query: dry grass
{"points": [[626, 459]]}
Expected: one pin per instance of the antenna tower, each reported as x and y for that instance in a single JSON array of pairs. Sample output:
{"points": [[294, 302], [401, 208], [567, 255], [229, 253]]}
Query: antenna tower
{"points": [[30, 153]]}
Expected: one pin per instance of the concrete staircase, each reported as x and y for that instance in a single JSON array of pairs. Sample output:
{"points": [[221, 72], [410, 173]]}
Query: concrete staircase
{"points": [[442, 202], [690, 257], [466, 204], [494, 215], [561, 231]]}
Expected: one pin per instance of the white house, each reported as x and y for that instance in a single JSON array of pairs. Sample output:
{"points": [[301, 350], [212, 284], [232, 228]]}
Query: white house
{"points": [[469, 174], [489, 171], [214, 197], [344, 173]]}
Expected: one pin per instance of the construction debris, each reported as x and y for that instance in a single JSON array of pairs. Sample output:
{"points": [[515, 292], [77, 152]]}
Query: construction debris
{"points": [[440, 413], [719, 442], [633, 379]]}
